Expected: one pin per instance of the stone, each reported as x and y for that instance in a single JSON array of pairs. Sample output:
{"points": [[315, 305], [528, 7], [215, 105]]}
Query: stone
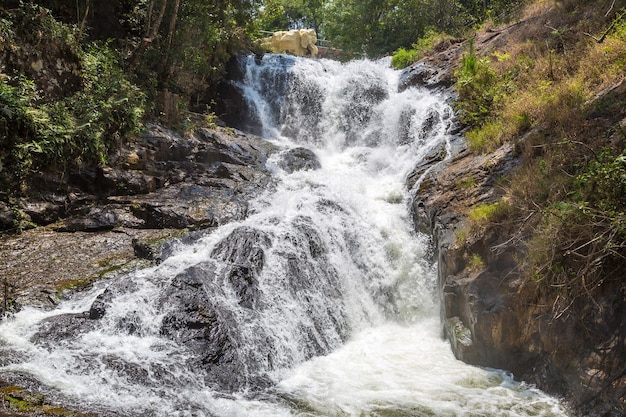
{"points": [[435, 71], [7, 217], [178, 185], [495, 318], [299, 159]]}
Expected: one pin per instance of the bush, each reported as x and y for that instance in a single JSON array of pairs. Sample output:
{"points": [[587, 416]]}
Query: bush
{"points": [[482, 214], [402, 58], [82, 127], [478, 87], [425, 45]]}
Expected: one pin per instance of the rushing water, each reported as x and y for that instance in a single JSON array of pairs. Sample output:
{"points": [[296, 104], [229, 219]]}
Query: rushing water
{"points": [[321, 303]]}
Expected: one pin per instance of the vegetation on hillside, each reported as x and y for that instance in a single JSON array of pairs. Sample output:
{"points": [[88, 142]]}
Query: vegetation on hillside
{"points": [[380, 27], [79, 125], [158, 58], [76, 78], [556, 94]]}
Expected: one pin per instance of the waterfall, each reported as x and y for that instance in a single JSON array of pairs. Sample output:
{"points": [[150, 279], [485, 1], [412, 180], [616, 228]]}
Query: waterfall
{"points": [[321, 303]]}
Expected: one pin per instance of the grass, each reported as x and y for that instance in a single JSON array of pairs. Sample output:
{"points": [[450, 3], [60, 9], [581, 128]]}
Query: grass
{"points": [[475, 263], [424, 46], [542, 81], [483, 214], [546, 92]]}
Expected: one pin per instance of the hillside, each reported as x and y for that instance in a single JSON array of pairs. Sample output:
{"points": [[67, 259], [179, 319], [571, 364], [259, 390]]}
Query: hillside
{"points": [[529, 218]]}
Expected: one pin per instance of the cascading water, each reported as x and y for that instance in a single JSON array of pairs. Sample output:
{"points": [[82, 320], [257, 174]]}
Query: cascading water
{"points": [[321, 303]]}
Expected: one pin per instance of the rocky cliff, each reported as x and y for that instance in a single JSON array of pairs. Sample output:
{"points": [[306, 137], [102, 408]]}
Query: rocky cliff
{"points": [[493, 314], [97, 220]]}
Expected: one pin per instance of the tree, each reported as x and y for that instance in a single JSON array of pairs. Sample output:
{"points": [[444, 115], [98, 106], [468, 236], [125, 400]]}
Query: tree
{"points": [[293, 14], [376, 27]]}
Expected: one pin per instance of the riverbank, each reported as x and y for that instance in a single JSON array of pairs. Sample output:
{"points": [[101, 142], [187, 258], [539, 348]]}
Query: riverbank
{"points": [[496, 310]]}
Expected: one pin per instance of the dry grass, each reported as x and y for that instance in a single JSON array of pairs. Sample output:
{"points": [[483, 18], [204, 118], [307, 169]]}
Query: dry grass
{"points": [[548, 96]]}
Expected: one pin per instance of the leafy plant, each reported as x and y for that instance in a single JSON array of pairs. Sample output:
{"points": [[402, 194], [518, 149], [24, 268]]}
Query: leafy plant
{"points": [[475, 263], [402, 58], [477, 85], [80, 127]]}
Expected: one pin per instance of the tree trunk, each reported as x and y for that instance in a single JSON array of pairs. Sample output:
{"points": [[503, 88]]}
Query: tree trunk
{"points": [[152, 34], [164, 64], [170, 33], [82, 23]]}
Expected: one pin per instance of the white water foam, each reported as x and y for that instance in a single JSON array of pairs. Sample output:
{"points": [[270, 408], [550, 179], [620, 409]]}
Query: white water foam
{"points": [[359, 335]]}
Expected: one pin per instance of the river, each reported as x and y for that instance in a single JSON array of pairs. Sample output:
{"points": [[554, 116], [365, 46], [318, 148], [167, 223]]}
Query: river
{"points": [[322, 302]]}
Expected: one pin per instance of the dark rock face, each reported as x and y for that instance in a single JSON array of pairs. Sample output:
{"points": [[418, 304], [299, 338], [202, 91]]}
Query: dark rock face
{"points": [[495, 317], [299, 159], [436, 71], [159, 186], [161, 180]]}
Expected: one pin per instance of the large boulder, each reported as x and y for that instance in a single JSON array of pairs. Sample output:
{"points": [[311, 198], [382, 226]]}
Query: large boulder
{"points": [[299, 159]]}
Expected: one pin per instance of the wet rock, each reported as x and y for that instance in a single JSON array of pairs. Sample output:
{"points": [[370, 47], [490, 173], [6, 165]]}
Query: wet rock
{"points": [[197, 323], [243, 254], [198, 319], [143, 250], [299, 159], [97, 219], [419, 74], [59, 328], [436, 71], [45, 210], [160, 180], [496, 318]]}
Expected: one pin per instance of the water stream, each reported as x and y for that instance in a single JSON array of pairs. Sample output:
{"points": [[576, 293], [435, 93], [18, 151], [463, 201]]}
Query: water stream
{"points": [[321, 303]]}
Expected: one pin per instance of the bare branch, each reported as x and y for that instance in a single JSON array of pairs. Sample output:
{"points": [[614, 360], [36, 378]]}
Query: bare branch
{"points": [[610, 8]]}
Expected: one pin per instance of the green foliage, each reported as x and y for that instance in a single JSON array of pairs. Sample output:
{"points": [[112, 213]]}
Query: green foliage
{"points": [[602, 185], [82, 127], [375, 27], [293, 14], [482, 214], [430, 40], [478, 86], [466, 183], [486, 138], [475, 263], [274, 16], [402, 58], [619, 26]]}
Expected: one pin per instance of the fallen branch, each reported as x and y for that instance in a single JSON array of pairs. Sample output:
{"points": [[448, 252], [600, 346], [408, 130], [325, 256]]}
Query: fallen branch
{"points": [[610, 8], [601, 38]]}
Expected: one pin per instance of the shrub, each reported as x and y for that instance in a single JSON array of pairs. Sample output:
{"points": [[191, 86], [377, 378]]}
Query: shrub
{"points": [[425, 45], [402, 58], [84, 126], [603, 184], [477, 85], [475, 263]]}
